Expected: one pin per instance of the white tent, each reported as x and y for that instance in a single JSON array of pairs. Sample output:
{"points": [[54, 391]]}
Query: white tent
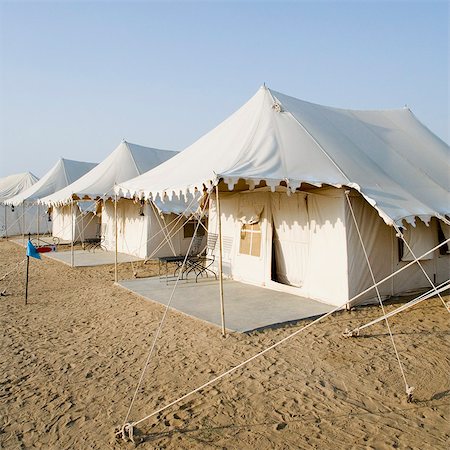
{"points": [[63, 173], [144, 231], [306, 243], [11, 219], [126, 161]]}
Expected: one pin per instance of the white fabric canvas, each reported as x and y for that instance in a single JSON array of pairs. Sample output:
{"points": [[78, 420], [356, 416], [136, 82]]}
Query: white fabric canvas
{"points": [[310, 246], [17, 221], [142, 230], [86, 225], [125, 162], [63, 173], [14, 184], [392, 159], [309, 240]]}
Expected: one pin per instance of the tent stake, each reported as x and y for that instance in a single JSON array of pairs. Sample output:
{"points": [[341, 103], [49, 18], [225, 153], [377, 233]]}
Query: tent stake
{"points": [[222, 309], [72, 232], [116, 275]]}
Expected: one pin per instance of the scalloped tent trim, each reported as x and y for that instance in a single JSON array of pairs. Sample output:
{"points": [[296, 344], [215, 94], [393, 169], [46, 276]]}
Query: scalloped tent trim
{"points": [[398, 165]]}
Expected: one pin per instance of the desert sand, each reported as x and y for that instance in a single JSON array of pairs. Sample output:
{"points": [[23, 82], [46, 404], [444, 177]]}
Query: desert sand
{"points": [[70, 361]]}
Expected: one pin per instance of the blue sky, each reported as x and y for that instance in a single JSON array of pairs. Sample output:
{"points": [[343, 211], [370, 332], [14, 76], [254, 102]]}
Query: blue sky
{"points": [[77, 77]]}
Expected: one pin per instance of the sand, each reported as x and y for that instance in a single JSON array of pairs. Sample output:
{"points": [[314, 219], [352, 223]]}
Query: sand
{"points": [[71, 358]]}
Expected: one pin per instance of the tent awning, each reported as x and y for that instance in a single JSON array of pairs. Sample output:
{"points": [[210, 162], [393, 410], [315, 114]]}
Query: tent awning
{"points": [[391, 158]]}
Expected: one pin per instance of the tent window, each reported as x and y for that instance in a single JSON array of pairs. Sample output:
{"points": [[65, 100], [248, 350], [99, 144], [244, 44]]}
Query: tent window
{"points": [[189, 228], [250, 243]]}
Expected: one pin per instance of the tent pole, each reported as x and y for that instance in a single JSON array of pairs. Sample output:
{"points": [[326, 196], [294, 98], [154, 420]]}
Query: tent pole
{"points": [[72, 232], [116, 275], [222, 309], [37, 225]]}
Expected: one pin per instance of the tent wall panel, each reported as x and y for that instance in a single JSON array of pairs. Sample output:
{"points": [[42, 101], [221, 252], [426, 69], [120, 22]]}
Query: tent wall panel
{"points": [[85, 225], [228, 207], [291, 238], [326, 277], [253, 247], [443, 268], [420, 239], [381, 249], [321, 265], [11, 222], [140, 235]]}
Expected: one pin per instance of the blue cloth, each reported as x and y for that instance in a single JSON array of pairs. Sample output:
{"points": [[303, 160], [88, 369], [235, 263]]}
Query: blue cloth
{"points": [[31, 251]]}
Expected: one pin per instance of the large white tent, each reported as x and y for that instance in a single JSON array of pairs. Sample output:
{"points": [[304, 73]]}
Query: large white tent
{"points": [[288, 224], [126, 161], [12, 219], [63, 173]]}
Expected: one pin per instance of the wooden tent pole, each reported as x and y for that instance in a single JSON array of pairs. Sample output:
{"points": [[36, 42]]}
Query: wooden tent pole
{"points": [[116, 274], [72, 263], [222, 308]]}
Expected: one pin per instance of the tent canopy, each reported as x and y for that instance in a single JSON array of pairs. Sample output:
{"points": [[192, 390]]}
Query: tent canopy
{"points": [[396, 163], [14, 184], [125, 162], [63, 173]]}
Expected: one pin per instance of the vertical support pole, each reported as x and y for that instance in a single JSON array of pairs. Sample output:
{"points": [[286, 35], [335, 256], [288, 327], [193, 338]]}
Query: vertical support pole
{"points": [[26, 279], [116, 275], [72, 263], [222, 308], [38, 220]]}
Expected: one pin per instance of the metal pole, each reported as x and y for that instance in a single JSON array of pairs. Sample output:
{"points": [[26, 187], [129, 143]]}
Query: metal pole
{"points": [[222, 308], [73, 237], [116, 275]]}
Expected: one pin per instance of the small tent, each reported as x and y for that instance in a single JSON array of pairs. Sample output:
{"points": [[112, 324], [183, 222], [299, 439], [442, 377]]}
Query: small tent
{"points": [[93, 193], [13, 220], [291, 175], [63, 173]]}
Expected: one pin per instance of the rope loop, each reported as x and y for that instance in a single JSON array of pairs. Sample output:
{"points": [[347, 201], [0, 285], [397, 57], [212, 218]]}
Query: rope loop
{"points": [[351, 333], [126, 433]]}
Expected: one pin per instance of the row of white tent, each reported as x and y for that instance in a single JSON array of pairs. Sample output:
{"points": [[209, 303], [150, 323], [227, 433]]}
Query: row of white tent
{"points": [[300, 185]]}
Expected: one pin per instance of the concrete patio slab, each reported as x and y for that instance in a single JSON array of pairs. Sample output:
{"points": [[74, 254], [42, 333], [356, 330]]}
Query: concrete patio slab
{"points": [[85, 258], [82, 258], [247, 308]]}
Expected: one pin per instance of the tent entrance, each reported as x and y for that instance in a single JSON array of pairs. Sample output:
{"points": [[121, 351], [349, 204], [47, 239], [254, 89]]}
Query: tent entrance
{"points": [[290, 239]]}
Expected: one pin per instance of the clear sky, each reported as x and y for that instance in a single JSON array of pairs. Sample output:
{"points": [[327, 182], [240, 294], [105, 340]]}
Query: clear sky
{"points": [[76, 77]]}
